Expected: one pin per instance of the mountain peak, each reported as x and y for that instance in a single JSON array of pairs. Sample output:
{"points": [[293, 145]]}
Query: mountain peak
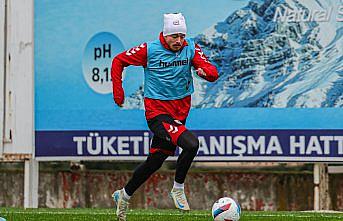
{"points": [[265, 62]]}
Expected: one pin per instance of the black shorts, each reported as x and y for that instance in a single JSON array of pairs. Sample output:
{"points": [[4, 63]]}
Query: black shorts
{"points": [[166, 132]]}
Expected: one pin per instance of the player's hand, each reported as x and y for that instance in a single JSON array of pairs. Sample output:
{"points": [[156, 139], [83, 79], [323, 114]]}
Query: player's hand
{"points": [[118, 96], [201, 72]]}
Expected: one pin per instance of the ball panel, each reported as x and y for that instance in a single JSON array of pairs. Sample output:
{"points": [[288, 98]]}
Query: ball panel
{"points": [[226, 209]]}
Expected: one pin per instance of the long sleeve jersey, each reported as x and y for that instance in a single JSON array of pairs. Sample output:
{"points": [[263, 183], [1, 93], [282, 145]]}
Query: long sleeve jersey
{"points": [[155, 105]]}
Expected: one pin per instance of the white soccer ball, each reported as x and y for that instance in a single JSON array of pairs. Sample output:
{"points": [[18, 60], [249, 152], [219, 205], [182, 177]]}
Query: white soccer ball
{"points": [[226, 209]]}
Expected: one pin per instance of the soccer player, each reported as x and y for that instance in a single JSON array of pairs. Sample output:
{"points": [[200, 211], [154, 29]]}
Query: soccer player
{"points": [[168, 85]]}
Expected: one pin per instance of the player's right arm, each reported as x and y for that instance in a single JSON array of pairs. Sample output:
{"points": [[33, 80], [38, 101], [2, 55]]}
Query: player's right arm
{"points": [[135, 56]]}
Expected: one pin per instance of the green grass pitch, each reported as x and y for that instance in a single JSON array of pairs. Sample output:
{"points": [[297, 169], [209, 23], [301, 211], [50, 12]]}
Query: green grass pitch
{"points": [[13, 214]]}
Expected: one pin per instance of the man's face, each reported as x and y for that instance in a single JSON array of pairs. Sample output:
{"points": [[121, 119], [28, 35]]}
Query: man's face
{"points": [[175, 41]]}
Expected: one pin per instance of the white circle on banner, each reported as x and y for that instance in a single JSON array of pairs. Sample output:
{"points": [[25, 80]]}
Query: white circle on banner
{"points": [[97, 61]]}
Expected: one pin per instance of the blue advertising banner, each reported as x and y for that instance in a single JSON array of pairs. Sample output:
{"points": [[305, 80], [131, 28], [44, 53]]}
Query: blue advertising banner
{"points": [[279, 96], [215, 145]]}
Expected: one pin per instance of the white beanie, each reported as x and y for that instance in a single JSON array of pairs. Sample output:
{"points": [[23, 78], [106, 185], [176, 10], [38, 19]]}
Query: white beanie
{"points": [[174, 23]]}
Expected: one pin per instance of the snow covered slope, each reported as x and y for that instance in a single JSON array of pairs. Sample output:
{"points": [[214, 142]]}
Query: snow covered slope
{"points": [[265, 62]]}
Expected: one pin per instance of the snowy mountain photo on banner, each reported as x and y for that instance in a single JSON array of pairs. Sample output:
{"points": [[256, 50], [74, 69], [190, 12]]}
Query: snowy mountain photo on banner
{"points": [[272, 53]]}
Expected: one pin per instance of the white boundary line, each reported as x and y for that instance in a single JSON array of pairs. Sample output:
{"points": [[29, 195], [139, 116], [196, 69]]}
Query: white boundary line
{"points": [[323, 215]]}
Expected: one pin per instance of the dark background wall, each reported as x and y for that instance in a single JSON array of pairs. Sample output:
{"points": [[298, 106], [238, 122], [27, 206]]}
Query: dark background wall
{"points": [[257, 190]]}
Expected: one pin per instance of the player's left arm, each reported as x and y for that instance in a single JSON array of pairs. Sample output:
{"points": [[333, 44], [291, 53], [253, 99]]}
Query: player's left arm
{"points": [[203, 66]]}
